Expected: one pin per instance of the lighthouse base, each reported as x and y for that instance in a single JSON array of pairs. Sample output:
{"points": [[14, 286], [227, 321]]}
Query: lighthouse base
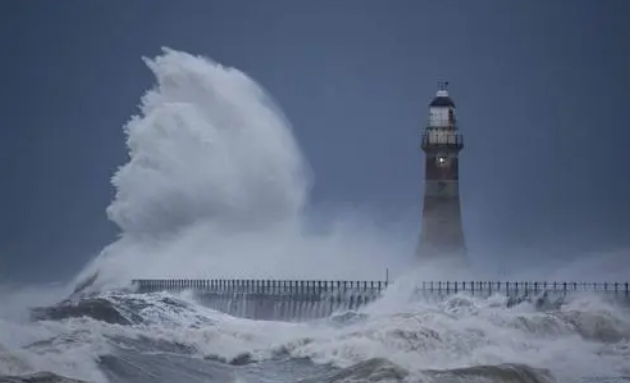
{"points": [[442, 235]]}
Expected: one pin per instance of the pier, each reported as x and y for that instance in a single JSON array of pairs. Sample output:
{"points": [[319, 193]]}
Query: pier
{"points": [[298, 300]]}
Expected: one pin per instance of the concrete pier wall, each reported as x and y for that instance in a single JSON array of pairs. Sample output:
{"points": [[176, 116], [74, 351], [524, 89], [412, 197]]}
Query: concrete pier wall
{"points": [[305, 300]]}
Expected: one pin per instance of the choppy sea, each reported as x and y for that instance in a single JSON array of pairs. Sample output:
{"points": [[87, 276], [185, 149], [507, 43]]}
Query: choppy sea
{"points": [[128, 337]]}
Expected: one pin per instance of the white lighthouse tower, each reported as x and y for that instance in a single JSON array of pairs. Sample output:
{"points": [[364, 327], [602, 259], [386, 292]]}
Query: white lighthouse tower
{"points": [[442, 235]]}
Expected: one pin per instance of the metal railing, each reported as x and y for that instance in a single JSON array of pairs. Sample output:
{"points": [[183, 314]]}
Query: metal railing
{"points": [[309, 299], [442, 139], [259, 286]]}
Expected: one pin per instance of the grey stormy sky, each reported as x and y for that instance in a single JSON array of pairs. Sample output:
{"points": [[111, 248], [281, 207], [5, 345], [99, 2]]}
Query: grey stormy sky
{"points": [[541, 86]]}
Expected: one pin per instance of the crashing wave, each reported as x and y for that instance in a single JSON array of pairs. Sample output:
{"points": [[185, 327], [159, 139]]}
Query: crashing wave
{"points": [[96, 308], [127, 309], [421, 341]]}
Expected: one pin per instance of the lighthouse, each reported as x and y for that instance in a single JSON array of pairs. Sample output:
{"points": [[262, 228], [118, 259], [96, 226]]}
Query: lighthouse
{"points": [[442, 236]]}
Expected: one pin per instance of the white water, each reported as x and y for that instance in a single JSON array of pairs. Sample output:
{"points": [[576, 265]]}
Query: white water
{"points": [[217, 186], [585, 338]]}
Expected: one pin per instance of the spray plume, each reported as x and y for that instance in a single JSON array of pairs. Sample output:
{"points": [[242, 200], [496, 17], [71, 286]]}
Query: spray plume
{"points": [[216, 185]]}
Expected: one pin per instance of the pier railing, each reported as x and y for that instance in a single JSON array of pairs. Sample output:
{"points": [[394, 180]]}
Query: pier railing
{"points": [[308, 299], [510, 288], [259, 286]]}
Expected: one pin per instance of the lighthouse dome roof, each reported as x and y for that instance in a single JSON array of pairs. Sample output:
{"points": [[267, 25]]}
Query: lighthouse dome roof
{"points": [[442, 101], [442, 98]]}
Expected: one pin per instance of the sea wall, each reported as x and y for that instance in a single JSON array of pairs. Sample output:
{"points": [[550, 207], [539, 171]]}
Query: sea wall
{"points": [[303, 300]]}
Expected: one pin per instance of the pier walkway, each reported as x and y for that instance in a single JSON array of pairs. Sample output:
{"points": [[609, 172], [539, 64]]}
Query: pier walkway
{"points": [[303, 299]]}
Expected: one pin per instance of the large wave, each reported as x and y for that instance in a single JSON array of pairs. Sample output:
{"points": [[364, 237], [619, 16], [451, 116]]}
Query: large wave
{"points": [[216, 185], [208, 146]]}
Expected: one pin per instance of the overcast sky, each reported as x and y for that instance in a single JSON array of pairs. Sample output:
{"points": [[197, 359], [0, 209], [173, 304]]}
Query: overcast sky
{"points": [[542, 89]]}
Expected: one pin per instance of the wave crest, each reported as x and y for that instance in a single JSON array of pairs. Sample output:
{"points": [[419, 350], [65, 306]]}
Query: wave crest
{"points": [[208, 145]]}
